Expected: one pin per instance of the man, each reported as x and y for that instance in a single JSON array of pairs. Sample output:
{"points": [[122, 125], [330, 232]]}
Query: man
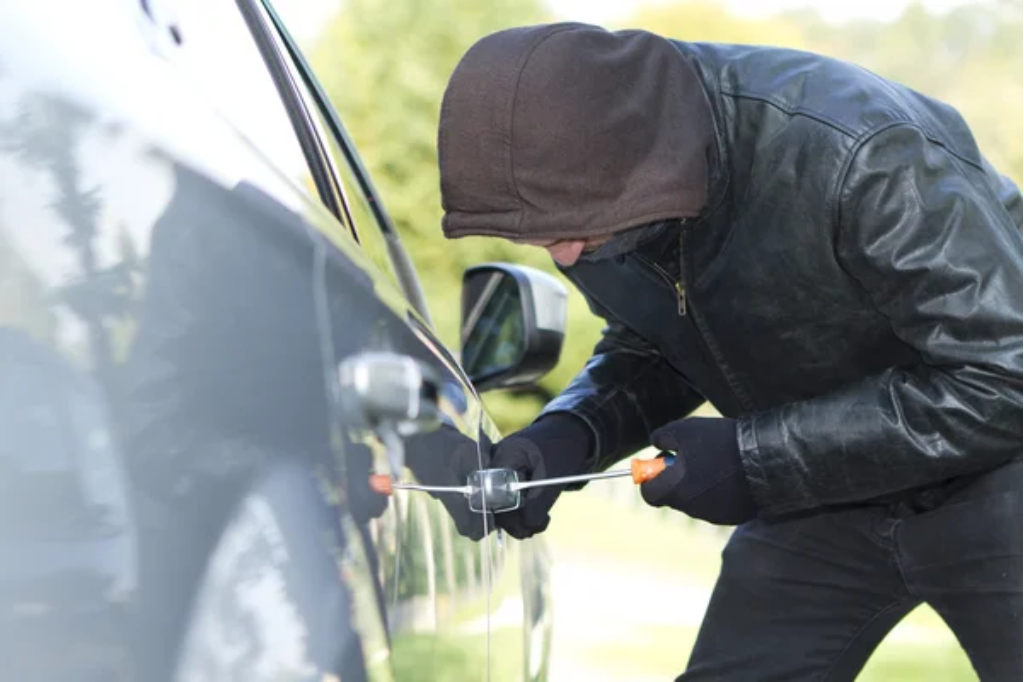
{"points": [[824, 256]]}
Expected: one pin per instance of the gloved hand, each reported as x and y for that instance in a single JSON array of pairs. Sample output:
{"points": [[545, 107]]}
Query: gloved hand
{"points": [[558, 444], [707, 480], [462, 463], [446, 457]]}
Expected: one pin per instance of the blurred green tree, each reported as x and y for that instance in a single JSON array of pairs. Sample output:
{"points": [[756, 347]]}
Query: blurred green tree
{"points": [[714, 23], [385, 64]]}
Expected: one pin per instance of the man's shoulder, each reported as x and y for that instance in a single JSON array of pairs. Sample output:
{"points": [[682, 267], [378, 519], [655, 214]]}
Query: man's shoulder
{"points": [[845, 96]]}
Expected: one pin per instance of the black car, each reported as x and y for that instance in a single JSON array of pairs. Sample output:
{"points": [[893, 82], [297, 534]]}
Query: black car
{"points": [[210, 339]]}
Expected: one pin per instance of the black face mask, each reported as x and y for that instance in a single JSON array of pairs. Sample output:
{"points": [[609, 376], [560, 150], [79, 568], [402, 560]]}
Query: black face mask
{"points": [[628, 241]]}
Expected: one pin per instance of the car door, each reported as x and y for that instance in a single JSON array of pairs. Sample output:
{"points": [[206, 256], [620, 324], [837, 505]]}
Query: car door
{"points": [[435, 583], [160, 357]]}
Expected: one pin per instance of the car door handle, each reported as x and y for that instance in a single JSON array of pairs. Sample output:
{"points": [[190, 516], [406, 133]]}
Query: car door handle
{"points": [[395, 395], [390, 387]]}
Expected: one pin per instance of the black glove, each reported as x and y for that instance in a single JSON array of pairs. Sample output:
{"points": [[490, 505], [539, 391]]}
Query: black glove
{"points": [[447, 457], [463, 462], [558, 444], [707, 480]]}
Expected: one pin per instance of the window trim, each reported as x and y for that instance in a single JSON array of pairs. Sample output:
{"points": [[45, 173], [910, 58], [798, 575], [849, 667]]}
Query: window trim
{"points": [[400, 260], [301, 118], [336, 127]]}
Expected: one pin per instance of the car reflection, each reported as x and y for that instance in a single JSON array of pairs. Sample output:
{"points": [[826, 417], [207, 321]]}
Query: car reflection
{"points": [[66, 530]]}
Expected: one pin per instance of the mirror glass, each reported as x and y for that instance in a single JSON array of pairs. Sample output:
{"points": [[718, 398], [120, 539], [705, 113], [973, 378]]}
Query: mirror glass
{"points": [[496, 330]]}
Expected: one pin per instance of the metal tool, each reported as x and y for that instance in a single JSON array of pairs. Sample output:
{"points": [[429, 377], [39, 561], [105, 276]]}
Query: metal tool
{"points": [[498, 490]]}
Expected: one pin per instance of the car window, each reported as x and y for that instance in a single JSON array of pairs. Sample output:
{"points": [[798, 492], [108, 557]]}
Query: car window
{"points": [[366, 223], [357, 208]]}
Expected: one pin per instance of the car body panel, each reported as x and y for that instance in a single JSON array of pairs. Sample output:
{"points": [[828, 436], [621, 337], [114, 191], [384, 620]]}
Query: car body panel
{"points": [[175, 301], [116, 152], [272, 604]]}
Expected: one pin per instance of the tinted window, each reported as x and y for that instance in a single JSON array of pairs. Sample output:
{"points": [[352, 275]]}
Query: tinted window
{"points": [[359, 211]]}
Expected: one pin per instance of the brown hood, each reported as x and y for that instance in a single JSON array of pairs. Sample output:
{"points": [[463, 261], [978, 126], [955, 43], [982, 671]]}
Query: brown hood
{"points": [[568, 130]]}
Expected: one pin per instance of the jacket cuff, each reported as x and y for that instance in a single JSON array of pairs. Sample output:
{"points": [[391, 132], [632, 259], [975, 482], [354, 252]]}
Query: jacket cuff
{"points": [[591, 462], [618, 427], [776, 481]]}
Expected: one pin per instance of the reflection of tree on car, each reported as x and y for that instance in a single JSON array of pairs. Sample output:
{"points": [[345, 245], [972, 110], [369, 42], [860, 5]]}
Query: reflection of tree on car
{"points": [[65, 489], [63, 493]]}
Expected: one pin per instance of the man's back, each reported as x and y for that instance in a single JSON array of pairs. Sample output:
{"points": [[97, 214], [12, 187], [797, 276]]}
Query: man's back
{"points": [[837, 93], [763, 92]]}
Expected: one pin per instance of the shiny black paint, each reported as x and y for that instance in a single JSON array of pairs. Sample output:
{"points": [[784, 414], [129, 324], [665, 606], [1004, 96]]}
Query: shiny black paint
{"points": [[172, 313]]}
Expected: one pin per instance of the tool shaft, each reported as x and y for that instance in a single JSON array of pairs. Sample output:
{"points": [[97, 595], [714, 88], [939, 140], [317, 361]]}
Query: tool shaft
{"points": [[464, 489], [640, 471], [562, 480]]}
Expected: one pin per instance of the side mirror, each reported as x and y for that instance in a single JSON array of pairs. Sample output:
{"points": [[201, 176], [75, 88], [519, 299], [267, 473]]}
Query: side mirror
{"points": [[513, 324]]}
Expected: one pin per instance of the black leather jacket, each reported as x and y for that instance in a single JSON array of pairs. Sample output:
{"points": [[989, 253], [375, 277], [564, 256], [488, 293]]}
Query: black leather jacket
{"points": [[851, 294]]}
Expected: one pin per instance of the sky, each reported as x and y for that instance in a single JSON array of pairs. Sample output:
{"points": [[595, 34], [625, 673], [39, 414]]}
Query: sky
{"points": [[598, 11]]}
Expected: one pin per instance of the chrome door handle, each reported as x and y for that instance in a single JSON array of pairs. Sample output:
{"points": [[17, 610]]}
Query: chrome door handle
{"points": [[393, 394]]}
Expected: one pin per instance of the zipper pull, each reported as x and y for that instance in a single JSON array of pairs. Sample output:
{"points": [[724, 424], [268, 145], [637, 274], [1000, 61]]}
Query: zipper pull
{"points": [[681, 298]]}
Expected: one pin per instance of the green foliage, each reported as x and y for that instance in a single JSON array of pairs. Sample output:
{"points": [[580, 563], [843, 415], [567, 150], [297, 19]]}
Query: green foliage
{"points": [[385, 64], [711, 22]]}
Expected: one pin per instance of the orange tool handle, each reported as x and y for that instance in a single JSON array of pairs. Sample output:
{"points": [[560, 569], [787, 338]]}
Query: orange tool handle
{"points": [[644, 470], [382, 483]]}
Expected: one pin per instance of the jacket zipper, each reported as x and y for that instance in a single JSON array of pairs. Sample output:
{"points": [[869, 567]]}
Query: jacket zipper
{"points": [[680, 288], [695, 319], [677, 285]]}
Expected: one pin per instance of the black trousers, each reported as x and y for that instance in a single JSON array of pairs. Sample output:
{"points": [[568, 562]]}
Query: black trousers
{"points": [[810, 597]]}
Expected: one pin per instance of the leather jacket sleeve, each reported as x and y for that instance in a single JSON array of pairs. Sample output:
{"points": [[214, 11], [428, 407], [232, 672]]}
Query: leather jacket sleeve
{"points": [[935, 244], [625, 391]]}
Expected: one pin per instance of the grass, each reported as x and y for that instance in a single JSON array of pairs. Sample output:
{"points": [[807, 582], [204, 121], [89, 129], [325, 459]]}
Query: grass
{"points": [[623, 528], [427, 656], [611, 530]]}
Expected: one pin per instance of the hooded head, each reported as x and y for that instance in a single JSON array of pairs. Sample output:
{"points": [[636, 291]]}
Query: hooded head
{"points": [[569, 131]]}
